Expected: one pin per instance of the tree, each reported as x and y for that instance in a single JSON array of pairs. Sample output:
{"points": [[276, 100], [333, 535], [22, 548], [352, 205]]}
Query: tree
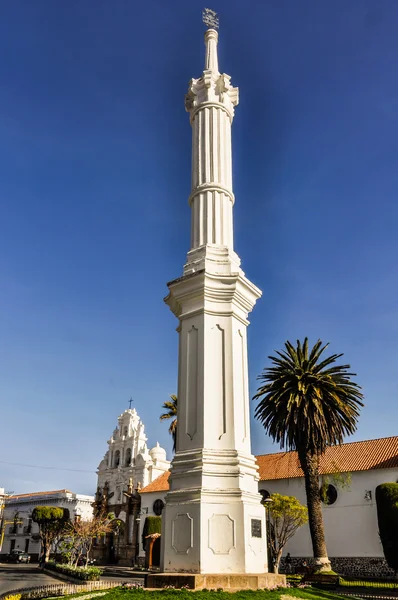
{"points": [[307, 405], [52, 522], [387, 517], [286, 516], [80, 536], [171, 407]]}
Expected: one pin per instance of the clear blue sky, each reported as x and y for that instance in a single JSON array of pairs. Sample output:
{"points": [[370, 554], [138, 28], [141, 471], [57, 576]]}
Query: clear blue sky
{"points": [[94, 181]]}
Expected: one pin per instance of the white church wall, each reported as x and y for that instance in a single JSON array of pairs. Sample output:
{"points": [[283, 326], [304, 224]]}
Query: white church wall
{"points": [[350, 523], [147, 502]]}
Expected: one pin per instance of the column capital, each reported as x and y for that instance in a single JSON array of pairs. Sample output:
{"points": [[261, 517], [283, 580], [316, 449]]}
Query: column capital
{"points": [[203, 292], [213, 88]]}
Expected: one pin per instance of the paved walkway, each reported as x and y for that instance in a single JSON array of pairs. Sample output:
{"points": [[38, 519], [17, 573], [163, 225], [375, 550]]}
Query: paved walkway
{"points": [[14, 576], [127, 573]]}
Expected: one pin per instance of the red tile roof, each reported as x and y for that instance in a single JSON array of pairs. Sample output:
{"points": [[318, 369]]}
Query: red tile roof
{"points": [[39, 494], [160, 484], [347, 458]]}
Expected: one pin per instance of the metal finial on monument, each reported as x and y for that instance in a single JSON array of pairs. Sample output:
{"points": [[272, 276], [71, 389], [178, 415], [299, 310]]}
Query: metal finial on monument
{"points": [[130, 402], [210, 18]]}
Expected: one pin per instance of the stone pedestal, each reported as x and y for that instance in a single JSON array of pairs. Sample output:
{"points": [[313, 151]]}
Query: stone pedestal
{"points": [[231, 583]]}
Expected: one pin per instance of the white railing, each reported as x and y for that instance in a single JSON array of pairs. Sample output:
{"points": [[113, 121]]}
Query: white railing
{"points": [[64, 589]]}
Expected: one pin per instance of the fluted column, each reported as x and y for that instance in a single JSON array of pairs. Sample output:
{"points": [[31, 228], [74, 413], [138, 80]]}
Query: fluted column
{"points": [[210, 101]]}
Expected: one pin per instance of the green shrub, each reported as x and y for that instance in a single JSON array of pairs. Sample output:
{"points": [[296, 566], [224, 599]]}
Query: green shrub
{"points": [[45, 514], [83, 573], [387, 517]]}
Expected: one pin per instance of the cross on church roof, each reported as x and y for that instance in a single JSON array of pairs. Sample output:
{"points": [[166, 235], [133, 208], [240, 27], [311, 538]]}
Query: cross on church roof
{"points": [[130, 401]]}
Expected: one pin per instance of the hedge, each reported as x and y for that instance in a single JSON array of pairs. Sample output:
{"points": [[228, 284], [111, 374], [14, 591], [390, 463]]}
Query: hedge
{"points": [[387, 517], [151, 525]]}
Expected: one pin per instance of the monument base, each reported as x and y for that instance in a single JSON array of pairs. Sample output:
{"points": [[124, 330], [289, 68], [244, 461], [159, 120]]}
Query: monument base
{"points": [[227, 582]]}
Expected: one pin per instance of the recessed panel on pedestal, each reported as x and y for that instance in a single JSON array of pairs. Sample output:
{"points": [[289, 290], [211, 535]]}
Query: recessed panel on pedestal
{"points": [[182, 533], [192, 381], [221, 534], [242, 352], [216, 389]]}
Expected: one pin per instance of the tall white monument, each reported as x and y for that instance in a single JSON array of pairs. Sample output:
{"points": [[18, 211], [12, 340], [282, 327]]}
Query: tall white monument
{"points": [[213, 519]]}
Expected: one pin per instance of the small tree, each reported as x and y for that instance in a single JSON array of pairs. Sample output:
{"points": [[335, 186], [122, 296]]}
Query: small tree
{"points": [[52, 522], [80, 537], [387, 517], [286, 516]]}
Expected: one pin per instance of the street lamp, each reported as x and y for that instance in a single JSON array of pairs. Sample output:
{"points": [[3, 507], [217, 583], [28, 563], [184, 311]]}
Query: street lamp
{"points": [[267, 502], [143, 511]]}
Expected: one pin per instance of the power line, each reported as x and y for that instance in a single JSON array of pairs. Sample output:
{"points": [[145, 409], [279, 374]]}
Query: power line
{"points": [[6, 462]]}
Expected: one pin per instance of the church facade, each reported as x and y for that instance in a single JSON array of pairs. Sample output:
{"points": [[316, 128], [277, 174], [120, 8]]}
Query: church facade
{"points": [[127, 467], [351, 473]]}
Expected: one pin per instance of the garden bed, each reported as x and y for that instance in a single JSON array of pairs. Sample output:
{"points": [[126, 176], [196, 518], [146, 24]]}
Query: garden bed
{"points": [[74, 573]]}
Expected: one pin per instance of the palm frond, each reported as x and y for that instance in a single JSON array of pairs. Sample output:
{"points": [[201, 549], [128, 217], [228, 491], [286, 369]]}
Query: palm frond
{"points": [[171, 407], [305, 403]]}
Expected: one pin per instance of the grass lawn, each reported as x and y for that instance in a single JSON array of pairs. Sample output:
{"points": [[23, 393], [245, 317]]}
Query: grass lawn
{"points": [[171, 594]]}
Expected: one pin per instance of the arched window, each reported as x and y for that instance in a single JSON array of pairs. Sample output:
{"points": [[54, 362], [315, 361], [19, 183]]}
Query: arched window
{"points": [[125, 431], [328, 494], [158, 507], [117, 458], [128, 457]]}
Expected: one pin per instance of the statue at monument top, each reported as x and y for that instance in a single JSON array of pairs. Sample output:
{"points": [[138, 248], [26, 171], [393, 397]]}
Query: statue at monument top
{"points": [[210, 18]]}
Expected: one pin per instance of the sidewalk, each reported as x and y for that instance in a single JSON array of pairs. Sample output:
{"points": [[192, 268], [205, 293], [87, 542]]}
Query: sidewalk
{"points": [[128, 573]]}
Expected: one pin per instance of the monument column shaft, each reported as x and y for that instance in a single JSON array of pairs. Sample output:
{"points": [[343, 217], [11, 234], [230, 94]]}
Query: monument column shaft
{"points": [[211, 199], [213, 521]]}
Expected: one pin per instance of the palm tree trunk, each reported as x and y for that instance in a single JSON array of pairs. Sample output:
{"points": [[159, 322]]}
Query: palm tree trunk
{"points": [[310, 466]]}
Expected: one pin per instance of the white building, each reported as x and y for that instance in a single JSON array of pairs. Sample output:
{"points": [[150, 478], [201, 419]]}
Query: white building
{"points": [[3, 496], [20, 533], [350, 517], [127, 466]]}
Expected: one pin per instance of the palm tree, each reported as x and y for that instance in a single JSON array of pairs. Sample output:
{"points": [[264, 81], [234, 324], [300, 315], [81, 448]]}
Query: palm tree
{"points": [[307, 405], [171, 407]]}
